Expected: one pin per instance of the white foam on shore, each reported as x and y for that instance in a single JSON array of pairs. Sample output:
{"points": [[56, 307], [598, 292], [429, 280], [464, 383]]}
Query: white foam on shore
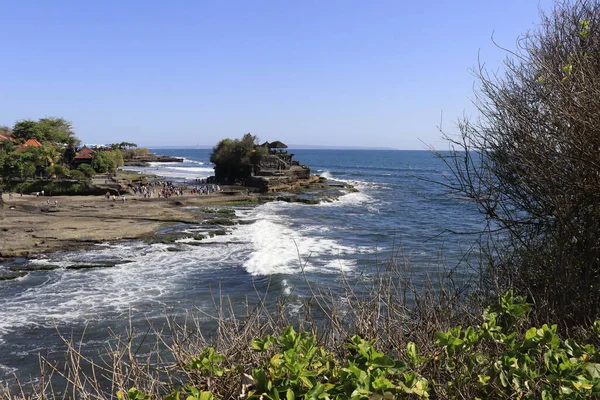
{"points": [[356, 183], [187, 160], [351, 199], [191, 170], [174, 170], [7, 370], [146, 275], [277, 248], [150, 274]]}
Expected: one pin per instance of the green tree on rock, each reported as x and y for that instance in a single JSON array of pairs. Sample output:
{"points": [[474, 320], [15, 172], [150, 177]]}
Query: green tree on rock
{"points": [[235, 158]]}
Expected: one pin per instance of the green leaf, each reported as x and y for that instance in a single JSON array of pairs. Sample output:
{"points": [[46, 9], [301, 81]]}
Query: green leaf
{"points": [[411, 352], [289, 395], [206, 396], [383, 361], [483, 379], [593, 369], [531, 333]]}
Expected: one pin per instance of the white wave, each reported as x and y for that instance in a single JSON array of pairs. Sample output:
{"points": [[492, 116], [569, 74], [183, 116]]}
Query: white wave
{"points": [[191, 169], [277, 248], [162, 164], [7, 370], [354, 199], [341, 264], [144, 274], [356, 183], [287, 288], [187, 160], [174, 170]]}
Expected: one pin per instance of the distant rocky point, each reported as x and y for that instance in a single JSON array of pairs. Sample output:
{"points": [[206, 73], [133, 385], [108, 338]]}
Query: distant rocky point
{"points": [[150, 157]]}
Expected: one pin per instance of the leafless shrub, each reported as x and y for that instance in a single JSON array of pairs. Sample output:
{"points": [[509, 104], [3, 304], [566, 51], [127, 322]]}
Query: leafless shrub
{"points": [[531, 163]]}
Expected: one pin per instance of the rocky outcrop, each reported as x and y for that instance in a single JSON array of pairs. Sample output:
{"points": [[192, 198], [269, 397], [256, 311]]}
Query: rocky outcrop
{"points": [[151, 158], [285, 183]]}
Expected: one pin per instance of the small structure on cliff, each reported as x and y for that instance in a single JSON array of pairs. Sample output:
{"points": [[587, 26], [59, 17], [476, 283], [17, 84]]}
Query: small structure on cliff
{"points": [[277, 169], [266, 167]]}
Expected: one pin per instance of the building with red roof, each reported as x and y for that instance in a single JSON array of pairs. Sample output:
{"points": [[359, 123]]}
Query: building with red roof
{"points": [[29, 143], [85, 155], [32, 142]]}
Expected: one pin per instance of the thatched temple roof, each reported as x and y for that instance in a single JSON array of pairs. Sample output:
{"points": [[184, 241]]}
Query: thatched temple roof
{"points": [[277, 145]]}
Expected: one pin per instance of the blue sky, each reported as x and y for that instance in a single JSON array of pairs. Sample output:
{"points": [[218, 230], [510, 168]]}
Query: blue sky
{"points": [[334, 73]]}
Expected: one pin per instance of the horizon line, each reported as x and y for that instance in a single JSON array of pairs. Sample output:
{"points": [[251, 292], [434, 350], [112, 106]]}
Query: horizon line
{"points": [[291, 147]]}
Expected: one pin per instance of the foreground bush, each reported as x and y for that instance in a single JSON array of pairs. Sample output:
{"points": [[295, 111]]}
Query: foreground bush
{"points": [[495, 359], [498, 358]]}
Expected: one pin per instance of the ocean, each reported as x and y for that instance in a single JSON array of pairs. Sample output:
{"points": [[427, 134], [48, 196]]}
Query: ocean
{"points": [[281, 246]]}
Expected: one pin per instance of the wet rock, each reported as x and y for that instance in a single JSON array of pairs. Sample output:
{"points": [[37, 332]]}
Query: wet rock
{"points": [[34, 267], [220, 221], [89, 266], [9, 275]]}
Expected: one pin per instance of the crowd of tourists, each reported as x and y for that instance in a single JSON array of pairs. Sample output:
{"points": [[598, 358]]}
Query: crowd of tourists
{"points": [[167, 189]]}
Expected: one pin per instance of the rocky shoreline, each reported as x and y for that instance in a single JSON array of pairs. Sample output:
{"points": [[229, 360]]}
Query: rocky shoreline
{"points": [[33, 226]]}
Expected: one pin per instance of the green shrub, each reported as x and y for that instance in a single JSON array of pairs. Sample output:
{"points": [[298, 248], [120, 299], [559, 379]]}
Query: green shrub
{"points": [[499, 358], [76, 174], [87, 170]]}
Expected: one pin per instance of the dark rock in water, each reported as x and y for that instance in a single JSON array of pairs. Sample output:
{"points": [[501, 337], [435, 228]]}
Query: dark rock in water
{"points": [[89, 266], [34, 267], [9, 275], [151, 158], [137, 163], [295, 199], [174, 249], [220, 221]]}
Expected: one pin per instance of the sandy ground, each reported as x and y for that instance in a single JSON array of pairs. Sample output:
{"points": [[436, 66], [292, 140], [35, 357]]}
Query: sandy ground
{"points": [[31, 226]]}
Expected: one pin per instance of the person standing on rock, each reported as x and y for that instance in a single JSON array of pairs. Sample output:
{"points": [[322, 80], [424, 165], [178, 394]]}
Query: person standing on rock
{"points": [[1, 206]]}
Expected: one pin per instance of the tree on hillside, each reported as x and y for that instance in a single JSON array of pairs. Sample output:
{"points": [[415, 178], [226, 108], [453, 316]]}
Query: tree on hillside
{"points": [[49, 155], [58, 130], [51, 129], [5, 131], [19, 165], [531, 163], [234, 158], [87, 170], [27, 129], [107, 161]]}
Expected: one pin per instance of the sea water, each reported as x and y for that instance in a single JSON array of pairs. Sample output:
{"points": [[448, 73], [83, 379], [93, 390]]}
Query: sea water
{"points": [[279, 249]]}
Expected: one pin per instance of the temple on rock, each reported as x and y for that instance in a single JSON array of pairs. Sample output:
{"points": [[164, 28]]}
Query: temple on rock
{"points": [[277, 169]]}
